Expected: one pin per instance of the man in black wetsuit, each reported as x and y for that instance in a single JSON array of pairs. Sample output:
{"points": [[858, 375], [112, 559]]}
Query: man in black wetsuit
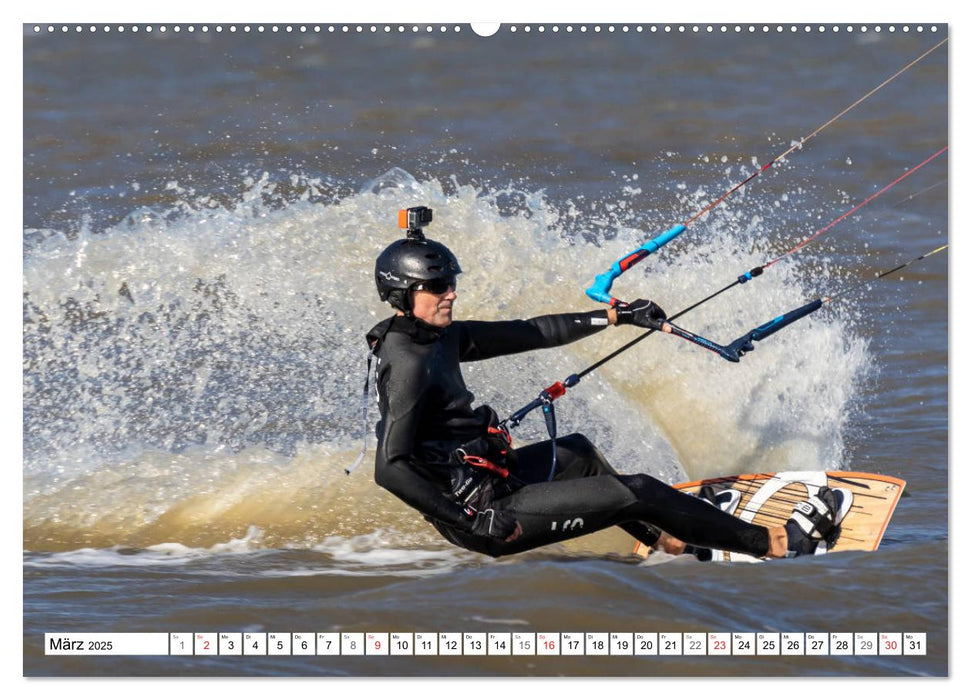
{"points": [[455, 465]]}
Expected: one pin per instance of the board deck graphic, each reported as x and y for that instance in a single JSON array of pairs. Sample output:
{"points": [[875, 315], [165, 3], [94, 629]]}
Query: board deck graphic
{"points": [[768, 499]]}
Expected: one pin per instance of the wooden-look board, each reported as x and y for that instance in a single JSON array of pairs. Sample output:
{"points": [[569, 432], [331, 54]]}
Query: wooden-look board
{"points": [[768, 499]]}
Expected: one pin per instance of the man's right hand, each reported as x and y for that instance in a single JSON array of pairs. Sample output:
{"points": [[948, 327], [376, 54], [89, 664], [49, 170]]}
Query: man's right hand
{"points": [[495, 524]]}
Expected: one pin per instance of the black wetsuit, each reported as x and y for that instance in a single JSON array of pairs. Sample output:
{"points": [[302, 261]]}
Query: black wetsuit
{"points": [[426, 413]]}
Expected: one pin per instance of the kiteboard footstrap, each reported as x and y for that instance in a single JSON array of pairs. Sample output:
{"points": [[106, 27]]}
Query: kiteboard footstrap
{"points": [[816, 520]]}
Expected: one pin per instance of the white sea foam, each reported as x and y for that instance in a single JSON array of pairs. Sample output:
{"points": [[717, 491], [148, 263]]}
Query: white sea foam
{"points": [[195, 370], [380, 553], [163, 554]]}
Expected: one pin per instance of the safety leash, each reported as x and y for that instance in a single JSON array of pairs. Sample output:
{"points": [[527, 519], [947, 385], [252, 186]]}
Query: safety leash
{"points": [[367, 385]]}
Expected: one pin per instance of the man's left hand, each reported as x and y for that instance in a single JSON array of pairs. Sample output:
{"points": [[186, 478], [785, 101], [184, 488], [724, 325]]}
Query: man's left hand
{"points": [[643, 313]]}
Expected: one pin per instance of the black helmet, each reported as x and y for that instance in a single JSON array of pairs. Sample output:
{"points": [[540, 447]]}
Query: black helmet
{"points": [[407, 262]]}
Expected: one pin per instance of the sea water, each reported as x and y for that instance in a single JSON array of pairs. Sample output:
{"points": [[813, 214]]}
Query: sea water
{"points": [[201, 217]]}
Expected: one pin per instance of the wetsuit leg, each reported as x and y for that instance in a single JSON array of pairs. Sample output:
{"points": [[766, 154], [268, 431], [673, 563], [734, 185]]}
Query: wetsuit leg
{"points": [[576, 458], [567, 507]]}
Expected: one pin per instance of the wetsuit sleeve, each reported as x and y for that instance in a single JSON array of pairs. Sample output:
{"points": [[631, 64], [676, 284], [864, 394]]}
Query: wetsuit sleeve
{"points": [[403, 388], [486, 339]]}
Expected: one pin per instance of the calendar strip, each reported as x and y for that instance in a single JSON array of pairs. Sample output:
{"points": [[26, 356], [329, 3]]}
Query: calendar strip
{"points": [[510, 644]]}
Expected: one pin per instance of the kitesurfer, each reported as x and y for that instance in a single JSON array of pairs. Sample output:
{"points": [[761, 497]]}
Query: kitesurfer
{"points": [[455, 463]]}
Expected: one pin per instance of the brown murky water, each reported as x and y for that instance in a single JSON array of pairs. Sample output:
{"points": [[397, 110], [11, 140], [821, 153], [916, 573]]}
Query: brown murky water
{"points": [[201, 213]]}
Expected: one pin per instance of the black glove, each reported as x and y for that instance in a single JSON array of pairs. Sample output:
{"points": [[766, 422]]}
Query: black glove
{"points": [[643, 313], [492, 523]]}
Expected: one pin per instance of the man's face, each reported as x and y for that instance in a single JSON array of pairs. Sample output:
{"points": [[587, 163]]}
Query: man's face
{"points": [[435, 309]]}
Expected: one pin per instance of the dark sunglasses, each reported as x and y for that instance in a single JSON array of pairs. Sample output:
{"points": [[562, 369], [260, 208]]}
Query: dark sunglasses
{"points": [[437, 286]]}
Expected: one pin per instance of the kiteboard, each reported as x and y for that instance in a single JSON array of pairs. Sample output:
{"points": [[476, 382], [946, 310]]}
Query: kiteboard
{"points": [[768, 499]]}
